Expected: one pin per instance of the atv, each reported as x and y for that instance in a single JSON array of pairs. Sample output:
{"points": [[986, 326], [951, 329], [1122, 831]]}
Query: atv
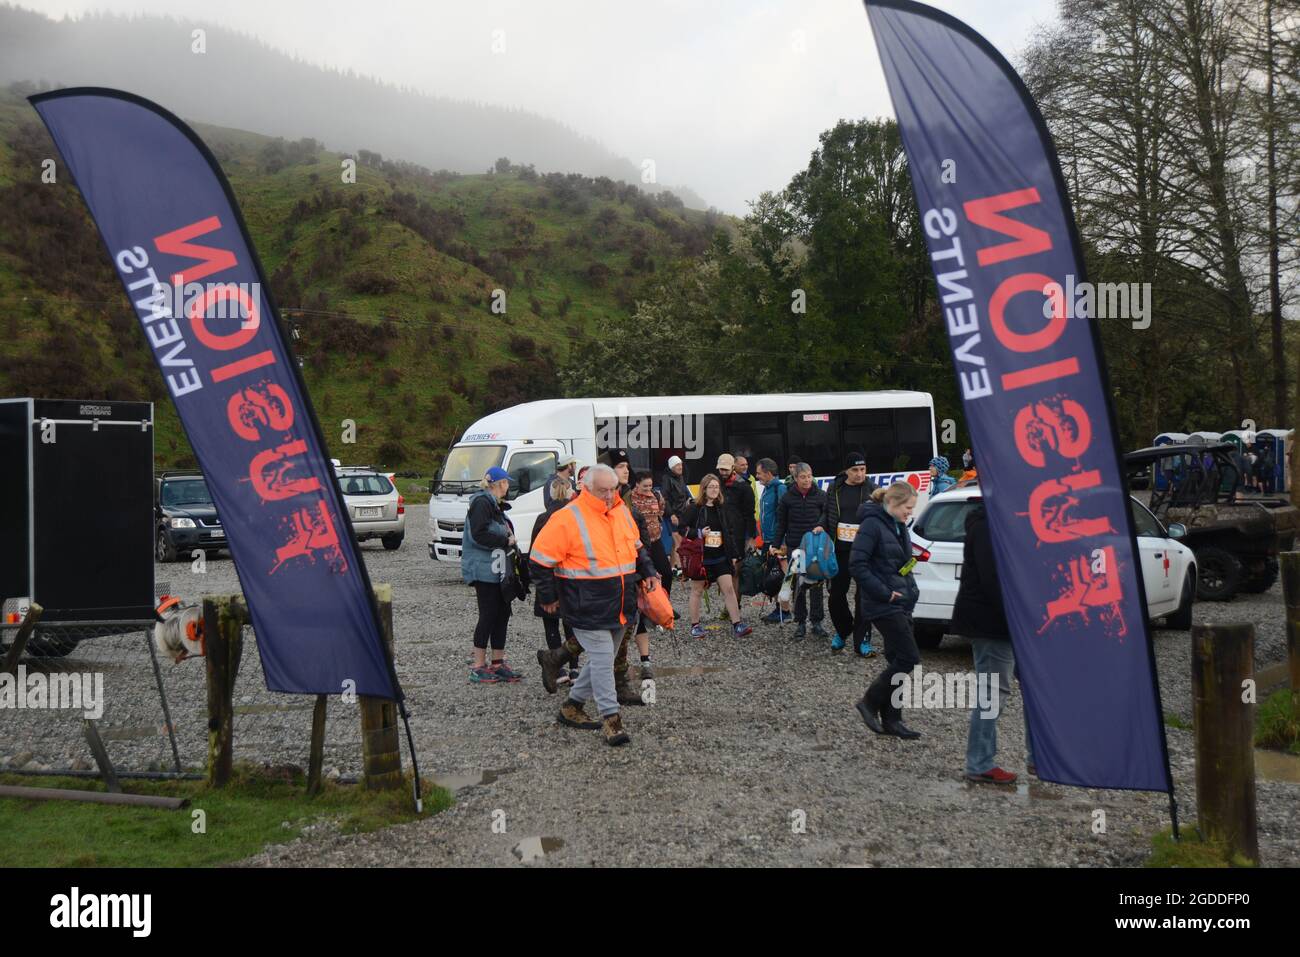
{"points": [[1236, 540]]}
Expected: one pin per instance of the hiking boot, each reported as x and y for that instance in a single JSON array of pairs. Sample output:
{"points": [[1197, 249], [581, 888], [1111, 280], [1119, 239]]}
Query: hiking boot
{"points": [[505, 673], [552, 661], [993, 775], [575, 716], [627, 695], [896, 727], [697, 630], [799, 632], [837, 642], [614, 733], [483, 675], [869, 716], [741, 629], [818, 631]]}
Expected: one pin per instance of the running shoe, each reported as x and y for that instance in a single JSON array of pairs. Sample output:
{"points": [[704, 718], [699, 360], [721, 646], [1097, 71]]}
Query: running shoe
{"points": [[505, 673], [993, 775], [818, 631], [741, 629], [837, 643], [776, 617], [483, 675], [697, 630], [865, 649]]}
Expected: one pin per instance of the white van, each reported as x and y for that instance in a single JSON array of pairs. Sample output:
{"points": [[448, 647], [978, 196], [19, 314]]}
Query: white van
{"points": [[893, 430]]}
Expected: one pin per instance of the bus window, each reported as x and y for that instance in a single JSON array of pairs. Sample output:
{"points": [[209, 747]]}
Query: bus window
{"points": [[815, 438], [713, 445], [915, 430], [871, 433], [528, 470]]}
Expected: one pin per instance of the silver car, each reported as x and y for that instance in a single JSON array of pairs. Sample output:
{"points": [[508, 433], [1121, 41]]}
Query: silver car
{"points": [[376, 508]]}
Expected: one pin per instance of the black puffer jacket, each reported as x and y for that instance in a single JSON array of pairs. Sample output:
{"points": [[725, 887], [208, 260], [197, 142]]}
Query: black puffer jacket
{"points": [[538, 525], [733, 535], [798, 514], [881, 548], [843, 502], [738, 499], [978, 611]]}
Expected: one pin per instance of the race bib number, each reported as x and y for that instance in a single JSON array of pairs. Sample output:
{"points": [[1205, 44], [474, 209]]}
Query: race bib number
{"points": [[846, 532], [713, 539]]}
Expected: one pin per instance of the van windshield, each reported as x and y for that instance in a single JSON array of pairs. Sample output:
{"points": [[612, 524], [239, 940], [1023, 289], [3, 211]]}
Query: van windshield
{"points": [[466, 466]]}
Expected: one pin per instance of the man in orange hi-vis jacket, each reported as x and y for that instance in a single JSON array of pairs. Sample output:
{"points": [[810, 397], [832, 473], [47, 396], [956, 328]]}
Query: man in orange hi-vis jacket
{"points": [[586, 564]]}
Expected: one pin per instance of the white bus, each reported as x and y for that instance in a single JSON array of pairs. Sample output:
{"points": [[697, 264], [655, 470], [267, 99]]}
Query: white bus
{"points": [[893, 430]]}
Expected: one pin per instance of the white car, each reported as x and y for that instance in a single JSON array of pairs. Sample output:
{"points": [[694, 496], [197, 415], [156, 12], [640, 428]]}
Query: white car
{"points": [[376, 508], [938, 537]]}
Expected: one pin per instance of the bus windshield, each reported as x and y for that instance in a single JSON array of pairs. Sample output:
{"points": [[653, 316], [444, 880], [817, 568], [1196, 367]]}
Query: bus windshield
{"points": [[465, 467]]}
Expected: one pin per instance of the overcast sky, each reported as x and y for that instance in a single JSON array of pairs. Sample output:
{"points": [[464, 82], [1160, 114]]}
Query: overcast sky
{"points": [[726, 96]]}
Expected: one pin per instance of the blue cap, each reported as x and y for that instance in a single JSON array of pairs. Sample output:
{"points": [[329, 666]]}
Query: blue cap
{"points": [[496, 473]]}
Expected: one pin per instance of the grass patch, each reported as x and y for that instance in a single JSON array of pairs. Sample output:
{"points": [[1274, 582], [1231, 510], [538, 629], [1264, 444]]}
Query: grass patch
{"points": [[255, 810], [1175, 721], [1191, 851], [1277, 723]]}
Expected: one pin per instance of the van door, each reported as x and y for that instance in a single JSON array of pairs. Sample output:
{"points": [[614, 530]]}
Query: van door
{"points": [[530, 466]]}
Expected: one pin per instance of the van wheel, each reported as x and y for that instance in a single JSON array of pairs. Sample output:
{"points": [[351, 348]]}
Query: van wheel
{"points": [[928, 635], [1181, 620], [1219, 574], [392, 542]]}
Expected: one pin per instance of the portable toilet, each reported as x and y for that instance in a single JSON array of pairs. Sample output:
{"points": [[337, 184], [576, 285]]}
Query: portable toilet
{"points": [[1204, 438], [1280, 441]]}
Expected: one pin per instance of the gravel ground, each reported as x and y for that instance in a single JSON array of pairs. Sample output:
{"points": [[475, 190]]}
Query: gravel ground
{"points": [[748, 740]]}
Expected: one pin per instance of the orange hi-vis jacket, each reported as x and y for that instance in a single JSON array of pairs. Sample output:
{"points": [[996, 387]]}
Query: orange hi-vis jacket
{"points": [[591, 558]]}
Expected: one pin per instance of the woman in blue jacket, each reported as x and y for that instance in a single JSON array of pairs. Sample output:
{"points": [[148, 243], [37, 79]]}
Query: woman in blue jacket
{"points": [[881, 563], [488, 534]]}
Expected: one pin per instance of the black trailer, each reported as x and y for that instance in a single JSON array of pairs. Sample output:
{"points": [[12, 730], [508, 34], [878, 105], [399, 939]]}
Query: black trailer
{"points": [[76, 509]]}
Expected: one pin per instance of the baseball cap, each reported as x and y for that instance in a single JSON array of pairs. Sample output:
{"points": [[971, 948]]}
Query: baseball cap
{"points": [[566, 461], [674, 461], [496, 473], [725, 461], [855, 458]]}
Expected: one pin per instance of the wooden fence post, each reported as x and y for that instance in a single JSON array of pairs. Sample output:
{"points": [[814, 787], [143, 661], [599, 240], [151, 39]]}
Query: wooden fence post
{"points": [[317, 756], [224, 617], [381, 748], [1223, 657], [1290, 562]]}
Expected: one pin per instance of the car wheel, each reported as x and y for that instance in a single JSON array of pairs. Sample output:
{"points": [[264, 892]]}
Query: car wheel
{"points": [[928, 635], [1181, 620], [1219, 574], [164, 551], [1262, 582], [393, 542]]}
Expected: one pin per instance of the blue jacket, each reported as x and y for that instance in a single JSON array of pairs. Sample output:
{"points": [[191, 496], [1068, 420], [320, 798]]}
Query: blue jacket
{"points": [[767, 504], [941, 483], [486, 531], [882, 547]]}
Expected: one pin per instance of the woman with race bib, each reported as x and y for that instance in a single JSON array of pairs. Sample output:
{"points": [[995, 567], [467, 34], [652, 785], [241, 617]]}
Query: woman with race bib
{"points": [[707, 519]]}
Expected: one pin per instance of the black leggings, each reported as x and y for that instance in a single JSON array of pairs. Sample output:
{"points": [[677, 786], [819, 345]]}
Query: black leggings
{"points": [[493, 616], [552, 626], [660, 559]]}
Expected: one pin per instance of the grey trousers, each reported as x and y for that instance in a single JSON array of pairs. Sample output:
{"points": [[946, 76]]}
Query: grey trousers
{"points": [[597, 675]]}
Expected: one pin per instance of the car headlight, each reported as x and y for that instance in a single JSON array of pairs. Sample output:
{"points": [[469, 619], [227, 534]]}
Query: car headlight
{"points": [[182, 523]]}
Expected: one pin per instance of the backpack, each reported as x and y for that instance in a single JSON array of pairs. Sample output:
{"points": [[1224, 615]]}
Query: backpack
{"points": [[691, 553], [753, 570], [772, 577], [819, 557]]}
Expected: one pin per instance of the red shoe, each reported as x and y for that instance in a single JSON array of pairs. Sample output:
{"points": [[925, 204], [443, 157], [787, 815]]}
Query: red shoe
{"points": [[993, 775]]}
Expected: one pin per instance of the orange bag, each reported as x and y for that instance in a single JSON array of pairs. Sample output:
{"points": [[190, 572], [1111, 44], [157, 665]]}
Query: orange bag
{"points": [[654, 604]]}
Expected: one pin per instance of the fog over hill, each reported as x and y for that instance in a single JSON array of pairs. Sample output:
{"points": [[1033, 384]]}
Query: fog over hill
{"points": [[243, 83]]}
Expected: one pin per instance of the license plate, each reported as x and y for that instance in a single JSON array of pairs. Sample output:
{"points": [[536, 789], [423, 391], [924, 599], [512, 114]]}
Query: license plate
{"points": [[218, 533], [370, 512]]}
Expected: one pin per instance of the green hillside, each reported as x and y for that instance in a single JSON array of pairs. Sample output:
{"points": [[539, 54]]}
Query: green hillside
{"points": [[387, 282]]}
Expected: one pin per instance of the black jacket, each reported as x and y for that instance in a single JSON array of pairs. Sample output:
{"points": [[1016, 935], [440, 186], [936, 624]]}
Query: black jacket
{"points": [[843, 502], [676, 494], [738, 498], [978, 611], [798, 514], [882, 547], [733, 535], [538, 525]]}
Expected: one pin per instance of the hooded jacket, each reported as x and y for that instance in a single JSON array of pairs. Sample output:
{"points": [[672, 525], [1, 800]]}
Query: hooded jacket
{"points": [[590, 557], [676, 494], [881, 549], [738, 498], [767, 504]]}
